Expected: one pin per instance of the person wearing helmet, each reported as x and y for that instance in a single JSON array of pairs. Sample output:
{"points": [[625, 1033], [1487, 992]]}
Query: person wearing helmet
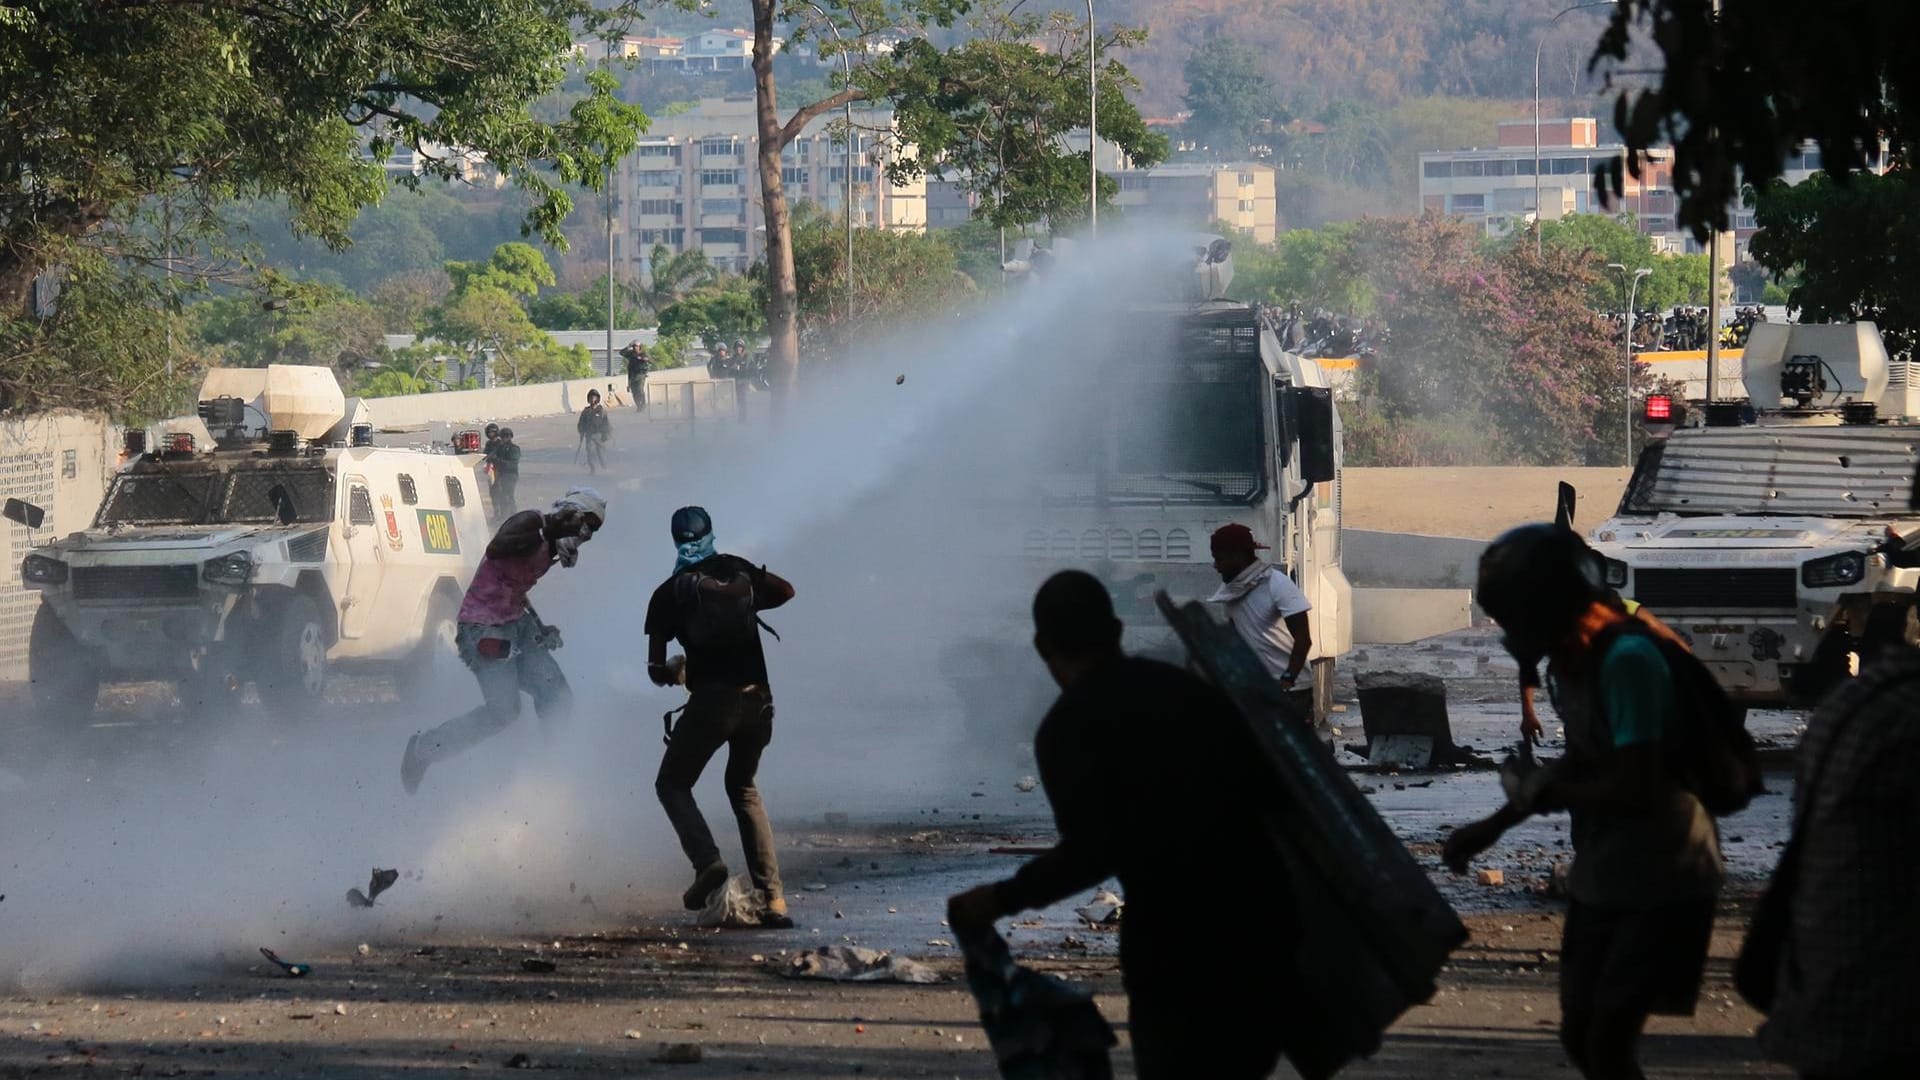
{"points": [[503, 462], [1646, 853], [500, 638], [595, 429], [711, 605], [639, 364]]}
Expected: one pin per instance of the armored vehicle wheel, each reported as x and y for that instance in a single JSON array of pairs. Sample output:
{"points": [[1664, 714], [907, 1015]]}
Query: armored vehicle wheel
{"points": [[64, 674], [436, 659], [291, 667]]}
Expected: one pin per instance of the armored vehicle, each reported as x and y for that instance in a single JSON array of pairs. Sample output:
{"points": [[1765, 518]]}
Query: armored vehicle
{"points": [[1778, 535], [289, 547]]}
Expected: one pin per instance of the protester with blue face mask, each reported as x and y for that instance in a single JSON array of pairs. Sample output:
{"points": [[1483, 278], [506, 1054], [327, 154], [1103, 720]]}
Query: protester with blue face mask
{"points": [[711, 606]]}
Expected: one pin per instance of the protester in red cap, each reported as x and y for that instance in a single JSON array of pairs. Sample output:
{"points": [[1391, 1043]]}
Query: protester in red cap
{"points": [[1268, 609]]}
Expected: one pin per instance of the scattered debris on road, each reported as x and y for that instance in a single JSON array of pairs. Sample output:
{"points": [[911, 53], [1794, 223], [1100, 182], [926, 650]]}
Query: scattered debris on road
{"points": [[851, 963], [1025, 784], [380, 881], [1493, 877], [293, 969], [1103, 910], [737, 904]]}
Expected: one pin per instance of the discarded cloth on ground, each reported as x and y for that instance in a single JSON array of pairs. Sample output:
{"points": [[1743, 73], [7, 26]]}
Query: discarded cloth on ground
{"points": [[851, 963], [1040, 1027], [737, 903], [1105, 909]]}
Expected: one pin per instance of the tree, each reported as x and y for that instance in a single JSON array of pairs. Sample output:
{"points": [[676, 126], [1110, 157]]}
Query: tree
{"points": [[1741, 89], [672, 275], [402, 301], [290, 322], [994, 111], [1599, 239], [586, 309], [1228, 95], [1312, 268], [1854, 249], [110, 105], [898, 276], [715, 315], [514, 268]]}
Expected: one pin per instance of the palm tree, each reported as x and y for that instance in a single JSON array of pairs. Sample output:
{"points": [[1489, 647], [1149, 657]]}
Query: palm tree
{"points": [[671, 276]]}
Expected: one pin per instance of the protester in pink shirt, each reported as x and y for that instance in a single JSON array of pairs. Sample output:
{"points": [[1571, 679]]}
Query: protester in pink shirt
{"points": [[501, 639]]}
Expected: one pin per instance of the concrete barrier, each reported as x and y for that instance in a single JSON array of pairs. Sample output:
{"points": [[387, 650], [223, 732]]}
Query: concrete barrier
{"points": [[543, 399], [1398, 616], [1410, 560], [61, 462]]}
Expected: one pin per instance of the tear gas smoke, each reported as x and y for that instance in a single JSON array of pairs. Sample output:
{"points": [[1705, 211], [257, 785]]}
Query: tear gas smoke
{"points": [[897, 507]]}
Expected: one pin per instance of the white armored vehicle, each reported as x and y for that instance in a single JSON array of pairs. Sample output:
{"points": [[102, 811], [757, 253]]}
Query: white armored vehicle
{"points": [[1778, 535], [289, 547]]}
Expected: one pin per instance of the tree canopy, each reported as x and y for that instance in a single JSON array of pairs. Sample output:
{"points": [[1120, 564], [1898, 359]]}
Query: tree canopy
{"points": [[1228, 95], [1853, 250], [110, 105], [1601, 240], [1739, 91]]}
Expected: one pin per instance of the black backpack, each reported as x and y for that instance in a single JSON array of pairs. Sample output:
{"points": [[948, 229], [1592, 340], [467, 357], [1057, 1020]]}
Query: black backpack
{"points": [[716, 606], [1713, 755]]}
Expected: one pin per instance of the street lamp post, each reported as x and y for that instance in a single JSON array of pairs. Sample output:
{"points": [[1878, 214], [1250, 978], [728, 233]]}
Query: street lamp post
{"points": [[1540, 217], [1633, 290], [1093, 133]]}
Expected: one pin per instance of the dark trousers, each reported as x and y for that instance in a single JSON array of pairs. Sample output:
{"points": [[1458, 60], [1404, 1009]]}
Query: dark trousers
{"points": [[742, 721], [1619, 966], [637, 390], [503, 501]]}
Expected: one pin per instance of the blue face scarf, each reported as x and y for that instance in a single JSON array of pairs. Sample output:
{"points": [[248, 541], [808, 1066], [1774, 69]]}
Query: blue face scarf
{"points": [[693, 551]]}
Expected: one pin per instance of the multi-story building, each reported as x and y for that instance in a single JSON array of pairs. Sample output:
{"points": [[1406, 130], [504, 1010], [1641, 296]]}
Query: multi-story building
{"points": [[1195, 196], [710, 52], [1198, 195], [694, 182], [1495, 187]]}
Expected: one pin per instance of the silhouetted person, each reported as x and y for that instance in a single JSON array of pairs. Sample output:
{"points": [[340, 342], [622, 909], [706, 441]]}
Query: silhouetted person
{"points": [[1646, 852], [1156, 779], [711, 606], [595, 429], [639, 364]]}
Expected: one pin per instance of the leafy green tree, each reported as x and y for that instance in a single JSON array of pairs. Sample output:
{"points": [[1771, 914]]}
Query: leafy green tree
{"points": [[109, 105], [993, 112], [1852, 250], [672, 275], [391, 384], [586, 309], [898, 276], [1742, 88], [1599, 239], [485, 321], [514, 268], [715, 315], [1312, 268], [403, 300], [1229, 97], [291, 322]]}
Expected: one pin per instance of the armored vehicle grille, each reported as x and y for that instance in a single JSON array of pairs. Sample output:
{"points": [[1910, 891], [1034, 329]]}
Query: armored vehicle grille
{"points": [[136, 582], [1715, 589], [309, 548]]}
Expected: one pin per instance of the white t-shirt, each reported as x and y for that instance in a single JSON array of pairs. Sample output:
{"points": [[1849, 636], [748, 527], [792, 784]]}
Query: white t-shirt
{"points": [[1258, 602]]}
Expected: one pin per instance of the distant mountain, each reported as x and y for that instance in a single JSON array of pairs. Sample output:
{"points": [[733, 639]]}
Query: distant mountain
{"points": [[1381, 51]]}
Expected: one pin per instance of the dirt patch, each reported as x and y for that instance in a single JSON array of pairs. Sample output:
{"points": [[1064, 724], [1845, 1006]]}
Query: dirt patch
{"points": [[1477, 503]]}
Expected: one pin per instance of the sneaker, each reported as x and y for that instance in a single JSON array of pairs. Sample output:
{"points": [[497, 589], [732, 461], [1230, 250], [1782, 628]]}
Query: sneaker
{"points": [[708, 880], [413, 766]]}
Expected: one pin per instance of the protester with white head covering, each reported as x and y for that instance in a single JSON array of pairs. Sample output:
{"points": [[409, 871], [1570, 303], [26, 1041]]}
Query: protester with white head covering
{"points": [[500, 638]]}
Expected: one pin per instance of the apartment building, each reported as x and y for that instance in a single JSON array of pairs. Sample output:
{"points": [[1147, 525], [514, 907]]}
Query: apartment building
{"points": [[1199, 194], [694, 182], [1494, 187]]}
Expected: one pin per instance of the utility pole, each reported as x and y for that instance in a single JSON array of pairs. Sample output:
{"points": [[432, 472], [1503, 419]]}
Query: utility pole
{"points": [[1633, 290], [1713, 260], [609, 195], [1539, 216], [1093, 132]]}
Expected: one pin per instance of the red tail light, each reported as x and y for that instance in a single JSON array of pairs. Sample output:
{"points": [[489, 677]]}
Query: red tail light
{"points": [[178, 442], [1659, 408], [467, 442]]}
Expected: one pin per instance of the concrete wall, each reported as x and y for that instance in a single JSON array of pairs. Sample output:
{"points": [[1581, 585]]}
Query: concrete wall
{"points": [[61, 462], [543, 399], [1410, 560], [1397, 616]]}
